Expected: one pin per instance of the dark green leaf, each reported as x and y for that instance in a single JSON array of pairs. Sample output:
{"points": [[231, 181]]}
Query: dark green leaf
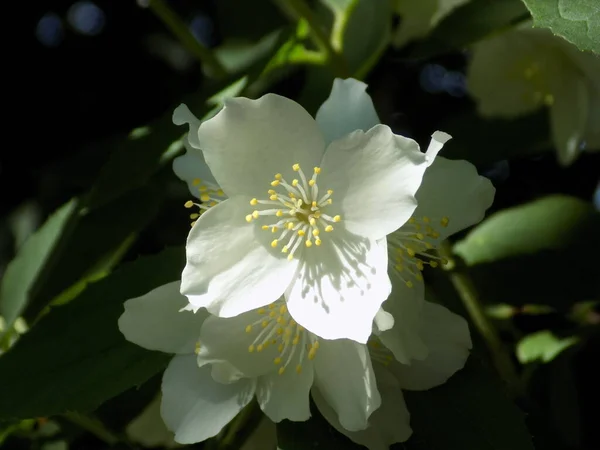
{"points": [[97, 243], [24, 269], [76, 358], [578, 21], [470, 411], [469, 23], [540, 251]]}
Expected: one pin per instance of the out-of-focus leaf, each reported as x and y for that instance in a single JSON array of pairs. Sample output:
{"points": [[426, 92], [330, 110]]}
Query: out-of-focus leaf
{"points": [[540, 251], [578, 21], [470, 411], [76, 358], [470, 23], [361, 30], [542, 346], [97, 243], [247, 20], [554, 222], [24, 269]]}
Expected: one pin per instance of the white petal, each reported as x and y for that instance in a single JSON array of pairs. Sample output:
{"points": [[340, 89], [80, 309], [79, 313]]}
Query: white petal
{"points": [[339, 287], [192, 168], [181, 116], [154, 321], [229, 271], [447, 337], [347, 109], [227, 340], [389, 424], [453, 189], [374, 177], [344, 377], [405, 304], [225, 373], [569, 118], [194, 406], [383, 321], [249, 141], [286, 396], [438, 139]]}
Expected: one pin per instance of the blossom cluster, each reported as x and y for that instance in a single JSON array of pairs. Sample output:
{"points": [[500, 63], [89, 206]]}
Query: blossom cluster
{"points": [[304, 268]]}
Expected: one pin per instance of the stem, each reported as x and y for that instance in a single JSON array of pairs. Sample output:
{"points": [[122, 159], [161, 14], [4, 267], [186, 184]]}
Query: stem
{"points": [[93, 426], [468, 294], [300, 10], [181, 31]]}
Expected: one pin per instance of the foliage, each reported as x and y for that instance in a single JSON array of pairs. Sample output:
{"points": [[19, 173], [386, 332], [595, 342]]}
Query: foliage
{"points": [[527, 277]]}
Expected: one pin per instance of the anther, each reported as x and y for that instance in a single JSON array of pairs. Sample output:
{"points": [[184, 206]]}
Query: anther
{"points": [[188, 204], [254, 202]]}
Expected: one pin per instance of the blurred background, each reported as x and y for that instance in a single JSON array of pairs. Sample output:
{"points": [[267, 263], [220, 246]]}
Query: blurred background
{"points": [[103, 78]]}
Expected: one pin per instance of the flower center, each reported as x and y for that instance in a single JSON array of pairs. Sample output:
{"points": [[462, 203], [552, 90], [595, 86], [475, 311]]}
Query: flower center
{"points": [[410, 246], [294, 343], [210, 195], [378, 352], [297, 211]]}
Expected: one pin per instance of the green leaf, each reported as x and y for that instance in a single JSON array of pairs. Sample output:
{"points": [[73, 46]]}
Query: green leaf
{"points": [[75, 358], [543, 346], [23, 270], [541, 251], [361, 31], [554, 222], [470, 23], [96, 243], [578, 21], [470, 411]]}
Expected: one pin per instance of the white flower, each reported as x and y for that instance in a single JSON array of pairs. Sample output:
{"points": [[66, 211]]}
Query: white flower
{"points": [[526, 69], [222, 363], [452, 197], [418, 18], [309, 204]]}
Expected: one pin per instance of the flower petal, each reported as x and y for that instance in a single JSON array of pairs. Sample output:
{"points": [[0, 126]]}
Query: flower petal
{"points": [[192, 169], [453, 189], [569, 118], [227, 340], [405, 305], [181, 116], [347, 109], [389, 424], [447, 337], [344, 377], [228, 270], [339, 287], [249, 141], [154, 321], [286, 396], [194, 406], [374, 176]]}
